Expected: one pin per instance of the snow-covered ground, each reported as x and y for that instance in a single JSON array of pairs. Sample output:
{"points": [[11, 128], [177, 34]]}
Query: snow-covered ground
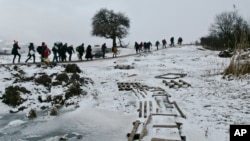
{"points": [[210, 105]]}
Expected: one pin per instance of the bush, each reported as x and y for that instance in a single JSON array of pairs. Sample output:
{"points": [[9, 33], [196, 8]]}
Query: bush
{"points": [[75, 77], [74, 90], [12, 95], [58, 99], [63, 77], [32, 114], [54, 111], [72, 68], [44, 80]]}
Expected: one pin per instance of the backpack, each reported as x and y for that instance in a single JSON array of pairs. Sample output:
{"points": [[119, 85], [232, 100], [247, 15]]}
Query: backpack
{"points": [[39, 49], [54, 49], [77, 49]]}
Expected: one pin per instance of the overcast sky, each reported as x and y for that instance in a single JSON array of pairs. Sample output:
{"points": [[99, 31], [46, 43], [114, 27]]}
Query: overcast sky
{"points": [[151, 20]]}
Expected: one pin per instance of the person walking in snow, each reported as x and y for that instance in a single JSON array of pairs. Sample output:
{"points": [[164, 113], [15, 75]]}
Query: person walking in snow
{"points": [[164, 43], [63, 52], [89, 53], [180, 41], [80, 50], [114, 50], [15, 52], [70, 51], [47, 52], [157, 43], [172, 41], [141, 46], [31, 53], [41, 49], [104, 47], [137, 47], [55, 53]]}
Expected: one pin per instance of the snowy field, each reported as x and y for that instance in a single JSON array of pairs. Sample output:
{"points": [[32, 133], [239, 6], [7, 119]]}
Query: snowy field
{"points": [[211, 104]]}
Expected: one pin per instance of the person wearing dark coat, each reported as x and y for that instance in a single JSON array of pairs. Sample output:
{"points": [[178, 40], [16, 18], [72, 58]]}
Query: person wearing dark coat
{"points": [[63, 52], [137, 47], [172, 41], [157, 43], [31, 53], [164, 43], [103, 50], [15, 52], [70, 50], [180, 41], [55, 53], [89, 53], [80, 50]]}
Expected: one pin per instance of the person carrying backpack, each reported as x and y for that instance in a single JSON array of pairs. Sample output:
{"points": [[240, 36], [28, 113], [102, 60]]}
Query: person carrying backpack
{"points": [[31, 53], [70, 50], [180, 41], [46, 54], [41, 49], [80, 50], [15, 52]]}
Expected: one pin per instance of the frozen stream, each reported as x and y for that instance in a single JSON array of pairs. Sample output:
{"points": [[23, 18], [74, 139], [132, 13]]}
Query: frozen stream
{"points": [[82, 124]]}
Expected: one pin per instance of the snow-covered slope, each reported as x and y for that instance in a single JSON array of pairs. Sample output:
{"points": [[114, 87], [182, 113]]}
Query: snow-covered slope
{"points": [[210, 105]]}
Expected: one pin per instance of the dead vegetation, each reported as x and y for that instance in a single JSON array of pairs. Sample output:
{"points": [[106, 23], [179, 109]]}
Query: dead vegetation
{"points": [[240, 62]]}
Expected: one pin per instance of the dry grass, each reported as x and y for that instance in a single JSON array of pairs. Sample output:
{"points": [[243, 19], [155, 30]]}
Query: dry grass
{"points": [[240, 62]]}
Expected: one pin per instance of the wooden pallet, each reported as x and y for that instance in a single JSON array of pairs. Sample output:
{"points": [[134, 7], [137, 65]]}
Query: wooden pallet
{"points": [[176, 84]]}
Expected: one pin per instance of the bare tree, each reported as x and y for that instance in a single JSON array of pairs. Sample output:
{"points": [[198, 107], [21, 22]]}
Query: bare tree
{"points": [[229, 26]]}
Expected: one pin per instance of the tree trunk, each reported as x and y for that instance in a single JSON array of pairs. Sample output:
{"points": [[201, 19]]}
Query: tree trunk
{"points": [[114, 41]]}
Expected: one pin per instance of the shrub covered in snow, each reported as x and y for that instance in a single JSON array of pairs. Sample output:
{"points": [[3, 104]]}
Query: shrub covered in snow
{"points": [[53, 111], [12, 95], [44, 80], [63, 77], [72, 68], [32, 114]]}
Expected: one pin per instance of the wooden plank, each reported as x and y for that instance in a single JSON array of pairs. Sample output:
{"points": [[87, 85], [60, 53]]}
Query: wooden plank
{"points": [[159, 139], [159, 95], [185, 83], [144, 129], [179, 110], [134, 130], [150, 106], [175, 115], [176, 83], [165, 126], [140, 109]]}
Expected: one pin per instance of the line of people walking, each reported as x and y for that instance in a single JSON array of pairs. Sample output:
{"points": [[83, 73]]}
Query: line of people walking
{"points": [[61, 52], [147, 46]]}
